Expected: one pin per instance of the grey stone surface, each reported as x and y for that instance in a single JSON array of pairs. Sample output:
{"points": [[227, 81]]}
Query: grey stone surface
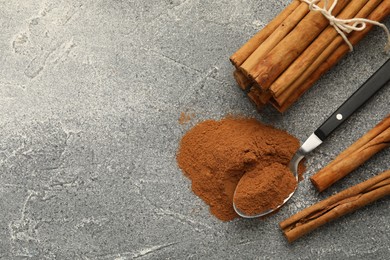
{"points": [[90, 96]]}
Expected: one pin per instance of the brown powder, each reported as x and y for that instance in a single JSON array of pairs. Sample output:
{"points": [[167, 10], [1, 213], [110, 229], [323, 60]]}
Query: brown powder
{"points": [[216, 154], [263, 189], [185, 118]]}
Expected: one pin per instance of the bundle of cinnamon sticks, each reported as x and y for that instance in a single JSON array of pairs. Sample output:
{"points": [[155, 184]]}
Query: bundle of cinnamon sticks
{"points": [[285, 58]]}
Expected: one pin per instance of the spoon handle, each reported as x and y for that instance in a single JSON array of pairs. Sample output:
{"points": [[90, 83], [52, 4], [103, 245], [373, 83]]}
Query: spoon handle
{"points": [[364, 93]]}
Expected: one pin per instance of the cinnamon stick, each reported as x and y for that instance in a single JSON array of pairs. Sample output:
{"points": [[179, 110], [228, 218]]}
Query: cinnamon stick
{"points": [[259, 97], [242, 81], [336, 206], [255, 96], [288, 49], [370, 135], [371, 143], [248, 48], [330, 56], [265, 96], [279, 33], [319, 44]]}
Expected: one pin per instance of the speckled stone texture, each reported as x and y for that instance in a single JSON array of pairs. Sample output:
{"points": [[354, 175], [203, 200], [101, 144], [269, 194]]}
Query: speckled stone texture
{"points": [[91, 92]]}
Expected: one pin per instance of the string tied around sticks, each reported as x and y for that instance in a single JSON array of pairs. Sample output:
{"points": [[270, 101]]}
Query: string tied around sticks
{"points": [[345, 26]]}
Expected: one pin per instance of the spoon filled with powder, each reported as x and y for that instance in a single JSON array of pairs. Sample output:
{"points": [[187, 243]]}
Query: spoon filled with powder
{"points": [[261, 191]]}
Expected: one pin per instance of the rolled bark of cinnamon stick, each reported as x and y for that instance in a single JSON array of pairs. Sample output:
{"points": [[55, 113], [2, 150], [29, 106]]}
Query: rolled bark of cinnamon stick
{"points": [[367, 137], [248, 48], [299, 66], [259, 97], [371, 143], [279, 33], [265, 96], [256, 97], [336, 206], [328, 58], [242, 81], [280, 57]]}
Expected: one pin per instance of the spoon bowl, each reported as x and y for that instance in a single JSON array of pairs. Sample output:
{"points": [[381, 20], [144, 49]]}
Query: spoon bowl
{"points": [[293, 166]]}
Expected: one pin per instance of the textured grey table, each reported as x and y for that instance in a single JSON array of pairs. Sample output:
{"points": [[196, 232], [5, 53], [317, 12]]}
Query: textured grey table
{"points": [[91, 93]]}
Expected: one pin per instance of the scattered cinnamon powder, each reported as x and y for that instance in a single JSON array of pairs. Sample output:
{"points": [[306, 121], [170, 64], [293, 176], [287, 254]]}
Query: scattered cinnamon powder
{"points": [[185, 118], [260, 190], [216, 154]]}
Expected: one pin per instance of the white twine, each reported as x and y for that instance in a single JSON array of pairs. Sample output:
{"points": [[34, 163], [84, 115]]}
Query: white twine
{"points": [[343, 26]]}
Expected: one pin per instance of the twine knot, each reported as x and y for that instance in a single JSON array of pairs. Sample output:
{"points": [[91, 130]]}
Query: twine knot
{"points": [[343, 26]]}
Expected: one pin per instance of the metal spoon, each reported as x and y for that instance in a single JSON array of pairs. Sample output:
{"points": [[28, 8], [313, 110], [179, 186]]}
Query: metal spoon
{"points": [[355, 101]]}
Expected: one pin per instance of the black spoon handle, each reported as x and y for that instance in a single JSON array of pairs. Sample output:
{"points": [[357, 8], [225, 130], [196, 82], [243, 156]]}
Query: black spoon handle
{"points": [[364, 93]]}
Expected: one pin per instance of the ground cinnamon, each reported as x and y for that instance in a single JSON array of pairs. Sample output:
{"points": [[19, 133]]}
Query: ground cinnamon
{"points": [[216, 154], [185, 118], [263, 189]]}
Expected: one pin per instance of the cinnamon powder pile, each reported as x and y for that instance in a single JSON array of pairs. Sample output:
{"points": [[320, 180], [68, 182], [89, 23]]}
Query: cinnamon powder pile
{"points": [[216, 154]]}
